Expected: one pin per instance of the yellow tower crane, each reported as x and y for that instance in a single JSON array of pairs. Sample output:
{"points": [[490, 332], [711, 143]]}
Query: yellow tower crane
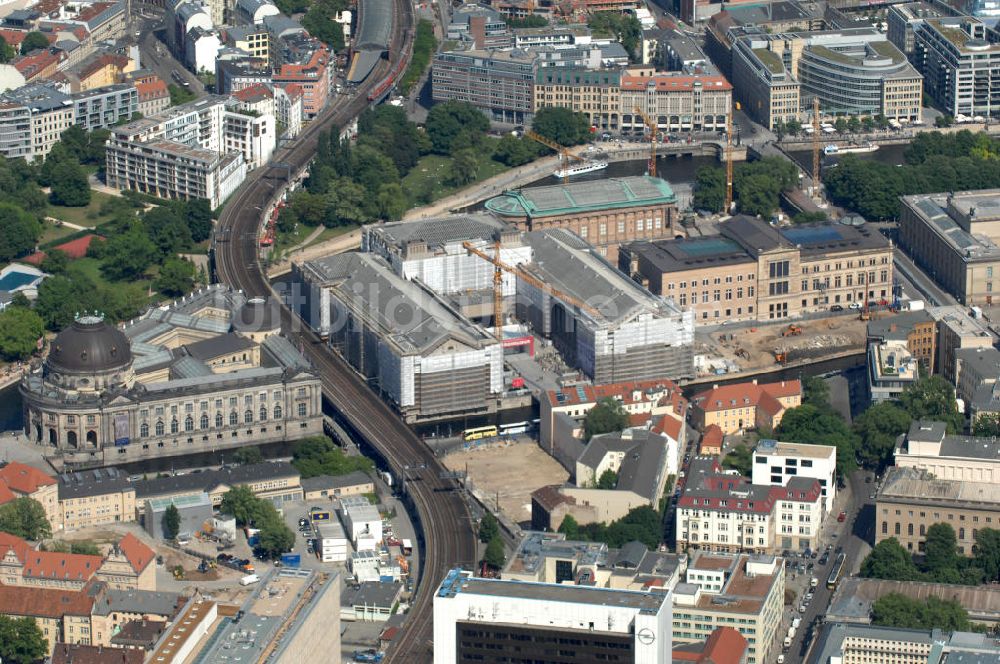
{"points": [[564, 154], [729, 164], [816, 131], [654, 131], [499, 267]]}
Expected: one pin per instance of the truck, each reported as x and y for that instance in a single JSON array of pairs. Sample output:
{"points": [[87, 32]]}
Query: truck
{"points": [[791, 632], [796, 621], [249, 579]]}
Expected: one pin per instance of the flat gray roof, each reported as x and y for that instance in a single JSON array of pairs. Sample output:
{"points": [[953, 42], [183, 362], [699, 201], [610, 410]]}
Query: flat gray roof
{"points": [[917, 486], [438, 232], [372, 593]]}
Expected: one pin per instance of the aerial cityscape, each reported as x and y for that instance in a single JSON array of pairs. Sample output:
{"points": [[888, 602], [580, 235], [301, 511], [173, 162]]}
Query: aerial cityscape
{"points": [[510, 331]]}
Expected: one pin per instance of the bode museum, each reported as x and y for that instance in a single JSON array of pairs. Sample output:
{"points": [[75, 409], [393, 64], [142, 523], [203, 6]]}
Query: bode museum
{"points": [[205, 373]]}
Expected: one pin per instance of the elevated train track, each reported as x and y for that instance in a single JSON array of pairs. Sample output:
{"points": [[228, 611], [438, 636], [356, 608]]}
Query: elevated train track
{"points": [[440, 513]]}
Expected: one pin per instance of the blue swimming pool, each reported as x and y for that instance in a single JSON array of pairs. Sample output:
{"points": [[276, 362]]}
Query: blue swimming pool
{"points": [[13, 280]]}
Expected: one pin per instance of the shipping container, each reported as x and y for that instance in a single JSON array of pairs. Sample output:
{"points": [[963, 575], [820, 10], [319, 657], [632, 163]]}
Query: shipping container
{"points": [[291, 559]]}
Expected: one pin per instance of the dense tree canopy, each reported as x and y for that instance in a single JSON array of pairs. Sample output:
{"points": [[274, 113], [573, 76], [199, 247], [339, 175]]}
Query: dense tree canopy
{"points": [[246, 456], [33, 41], [489, 528], [641, 524], [607, 416], [739, 459], [19, 231], [895, 610], [21, 641], [822, 426], [562, 125], [275, 536], [623, 27], [20, 330], [317, 455], [757, 186], [889, 560], [177, 277], [320, 24], [171, 521], [7, 52], [25, 518], [878, 427], [933, 398], [454, 121]]}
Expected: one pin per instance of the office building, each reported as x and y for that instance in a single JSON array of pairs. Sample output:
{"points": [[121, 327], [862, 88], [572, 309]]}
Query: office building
{"points": [[98, 497], [850, 643], [852, 72], [953, 237], [476, 618], [916, 329], [755, 271], [606, 213], [746, 592], [902, 20], [481, 26], [977, 373], [928, 446], [676, 101], [957, 330], [960, 64], [600, 321], [740, 406], [891, 369], [332, 544], [718, 511], [426, 358], [499, 83], [183, 378], [594, 92], [911, 500], [775, 463]]}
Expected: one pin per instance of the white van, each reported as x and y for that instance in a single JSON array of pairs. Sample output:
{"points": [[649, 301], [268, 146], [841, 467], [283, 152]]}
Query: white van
{"points": [[249, 579]]}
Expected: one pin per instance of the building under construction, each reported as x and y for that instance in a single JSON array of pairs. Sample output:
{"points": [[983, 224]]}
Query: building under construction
{"points": [[602, 322], [411, 344]]}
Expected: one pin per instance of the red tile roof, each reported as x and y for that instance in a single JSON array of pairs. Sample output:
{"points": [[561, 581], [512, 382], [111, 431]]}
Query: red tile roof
{"points": [[624, 391], [672, 83], [10, 542], [724, 645], [23, 478], [711, 438], [50, 564], [76, 653], [45, 602], [6, 495], [253, 93], [13, 37], [34, 63], [153, 90], [139, 555], [744, 394], [93, 10], [670, 426]]}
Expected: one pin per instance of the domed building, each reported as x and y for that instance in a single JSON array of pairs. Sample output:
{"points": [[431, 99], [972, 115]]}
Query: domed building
{"points": [[208, 372]]}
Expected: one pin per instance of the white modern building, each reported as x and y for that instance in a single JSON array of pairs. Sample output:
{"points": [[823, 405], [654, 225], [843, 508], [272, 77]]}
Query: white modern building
{"points": [[365, 566], [362, 520], [201, 48], [490, 619], [929, 446], [332, 545], [775, 463], [960, 64], [253, 12], [891, 369]]}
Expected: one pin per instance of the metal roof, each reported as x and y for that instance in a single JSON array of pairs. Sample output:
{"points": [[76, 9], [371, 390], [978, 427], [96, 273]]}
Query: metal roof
{"points": [[575, 197]]}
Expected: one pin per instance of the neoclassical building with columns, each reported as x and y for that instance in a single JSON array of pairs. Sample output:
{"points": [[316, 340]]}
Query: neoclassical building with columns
{"points": [[209, 372]]}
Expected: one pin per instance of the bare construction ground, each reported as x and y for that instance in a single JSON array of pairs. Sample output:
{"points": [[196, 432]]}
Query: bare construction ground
{"points": [[756, 347], [514, 470]]}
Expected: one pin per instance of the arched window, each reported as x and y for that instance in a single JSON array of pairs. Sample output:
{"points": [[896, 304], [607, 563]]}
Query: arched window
{"points": [[144, 430], [218, 420], [263, 414], [885, 528], [189, 423], [159, 427], [909, 529], [277, 412], [923, 530], [174, 426], [204, 421], [302, 410], [234, 419], [961, 533], [248, 417], [897, 528]]}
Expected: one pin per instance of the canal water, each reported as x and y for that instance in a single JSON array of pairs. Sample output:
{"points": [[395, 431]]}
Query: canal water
{"points": [[886, 154]]}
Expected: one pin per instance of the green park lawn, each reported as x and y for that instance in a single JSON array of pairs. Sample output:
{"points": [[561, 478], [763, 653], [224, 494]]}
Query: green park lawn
{"points": [[433, 171], [89, 215]]}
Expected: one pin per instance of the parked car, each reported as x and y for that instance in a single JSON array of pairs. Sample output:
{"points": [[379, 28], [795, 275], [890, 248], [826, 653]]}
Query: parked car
{"points": [[854, 306], [836, 307], [842, 517]]}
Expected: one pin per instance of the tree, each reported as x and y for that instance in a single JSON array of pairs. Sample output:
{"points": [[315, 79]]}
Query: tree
{"points": [[987, 425], [570, 528], [241, 503], [21, 641], [168, 230], [608, 480], [840, 124], [626, 28], [607, 416], [896, 610], [171, 521], [464, 167], [275, 537], [815, 392], [940, 549], [445, 122], [853, 124], [33, 41], [179, 95], [494, 556], [247, 456], [709, 189], [987, 554], [177, 277], [933, 398], [198, 216], [317, 455], [889, 560], [793, 127], [808, 217], [320, 24], [513, 151], [809, 424], [55, 262], [943, 121], [69, 186], [7, 52], [424, 45], [489, 528], [739, 459], [18, 231], [25, 518], [20, 330], [129, 254], [878, 427], [562, 125]]}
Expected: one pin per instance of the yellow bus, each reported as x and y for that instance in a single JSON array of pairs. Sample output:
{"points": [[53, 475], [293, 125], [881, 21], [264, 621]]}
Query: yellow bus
{"points": [[479, 433]]}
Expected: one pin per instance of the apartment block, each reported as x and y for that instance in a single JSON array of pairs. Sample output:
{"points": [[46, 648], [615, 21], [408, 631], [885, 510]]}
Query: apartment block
{"points": [[958, 329], [916, 329], [854, 72], [500, 83], [595, 93], [755, 271], [103, 107], [745, 592], [475, 618], [902, 21], [911, 500], [306, 62], [741, 406], [960, 64], [776, 463], [722, 512], [676, 101]]}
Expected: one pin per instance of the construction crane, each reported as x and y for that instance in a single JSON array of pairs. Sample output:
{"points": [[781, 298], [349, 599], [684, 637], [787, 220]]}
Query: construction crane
{"points": [[564, 154], [729, 163], [654, 130], [816, 130], [499, 267]]}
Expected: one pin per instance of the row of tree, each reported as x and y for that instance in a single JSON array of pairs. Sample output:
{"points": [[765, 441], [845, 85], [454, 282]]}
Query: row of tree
{"points": [[317, 455], [896, 610], [757, 186], [934, 162], [424, 46], [941, 563], [275, 536], [643, 524]]}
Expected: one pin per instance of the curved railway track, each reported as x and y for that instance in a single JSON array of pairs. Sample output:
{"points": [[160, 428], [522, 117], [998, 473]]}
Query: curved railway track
{"points": [[440, 513]]}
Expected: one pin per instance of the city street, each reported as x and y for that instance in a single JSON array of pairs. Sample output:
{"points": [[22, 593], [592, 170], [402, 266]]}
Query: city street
{"points": [[155, 56]]}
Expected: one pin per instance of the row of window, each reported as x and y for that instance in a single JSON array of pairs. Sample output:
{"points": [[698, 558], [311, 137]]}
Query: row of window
{"points": [[248, 418]]}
